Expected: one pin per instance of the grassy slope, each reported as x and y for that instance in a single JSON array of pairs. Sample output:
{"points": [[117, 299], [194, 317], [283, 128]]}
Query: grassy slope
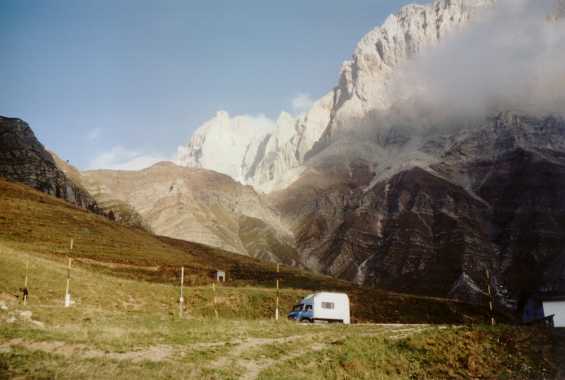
{"points": [[34, 222], [120, 328], [503, 352]]}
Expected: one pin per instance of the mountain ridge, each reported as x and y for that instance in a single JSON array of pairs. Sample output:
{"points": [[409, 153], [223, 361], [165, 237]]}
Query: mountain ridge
{"points": [[363, 86], [201, 206]]}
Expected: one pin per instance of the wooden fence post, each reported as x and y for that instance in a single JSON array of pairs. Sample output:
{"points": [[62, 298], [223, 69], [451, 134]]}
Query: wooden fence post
{"points": [[181, 299], [215, 306], [25, 291], [491, 297], [68, 290], [277, 299]]}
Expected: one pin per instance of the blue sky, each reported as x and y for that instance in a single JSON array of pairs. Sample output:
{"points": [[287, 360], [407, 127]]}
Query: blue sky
{"points": [[119, 79]]}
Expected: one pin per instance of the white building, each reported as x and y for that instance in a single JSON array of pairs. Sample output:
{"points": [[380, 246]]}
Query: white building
{"points": [[555, 306], [220, 276]]}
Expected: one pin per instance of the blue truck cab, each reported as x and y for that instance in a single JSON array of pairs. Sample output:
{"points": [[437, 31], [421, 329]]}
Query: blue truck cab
{"points": [[302, 312]]}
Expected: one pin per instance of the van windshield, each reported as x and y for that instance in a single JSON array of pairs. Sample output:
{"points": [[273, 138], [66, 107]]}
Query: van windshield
{"points": [[298, 307]]}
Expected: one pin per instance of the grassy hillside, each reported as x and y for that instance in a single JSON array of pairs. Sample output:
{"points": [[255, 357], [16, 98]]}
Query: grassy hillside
{"points": [[42, 225]]}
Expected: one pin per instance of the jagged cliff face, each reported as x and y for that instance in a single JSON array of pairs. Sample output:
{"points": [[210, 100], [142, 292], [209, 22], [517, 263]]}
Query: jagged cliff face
{"points": [[24, 159], [280, 163], [367, 80], [255, 151], [201, 206], [273, 159], [238, 139]]}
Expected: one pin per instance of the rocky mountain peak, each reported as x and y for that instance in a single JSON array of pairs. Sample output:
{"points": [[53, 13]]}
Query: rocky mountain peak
{"points": [[271, 159], [365, 80]]}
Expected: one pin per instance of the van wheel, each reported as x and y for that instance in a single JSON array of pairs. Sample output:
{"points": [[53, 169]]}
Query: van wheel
{"points": [[306, 320]]}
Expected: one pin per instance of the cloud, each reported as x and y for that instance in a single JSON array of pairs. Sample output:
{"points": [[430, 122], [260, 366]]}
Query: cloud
{"points": [[120, 158], [510, 60], [94, 134], [302, 103]]}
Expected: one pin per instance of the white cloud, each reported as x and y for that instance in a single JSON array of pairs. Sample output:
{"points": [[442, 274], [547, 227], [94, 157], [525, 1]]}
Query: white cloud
{"points": [[513, 59], [94, 134], [302, 103], [120, 158]]}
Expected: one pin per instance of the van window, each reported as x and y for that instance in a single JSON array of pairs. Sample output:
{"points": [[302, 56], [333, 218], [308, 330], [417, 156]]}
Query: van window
{"points": [[297, 307], [308, 308], [328, 305]]}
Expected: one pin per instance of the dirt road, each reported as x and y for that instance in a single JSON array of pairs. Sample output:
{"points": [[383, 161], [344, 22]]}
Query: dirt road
{"points": [[250, 356]]}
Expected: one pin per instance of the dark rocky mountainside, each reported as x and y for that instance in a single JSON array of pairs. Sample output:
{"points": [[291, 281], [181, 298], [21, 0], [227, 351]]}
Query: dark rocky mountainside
{"points": [[24, 159], [488, 196]]}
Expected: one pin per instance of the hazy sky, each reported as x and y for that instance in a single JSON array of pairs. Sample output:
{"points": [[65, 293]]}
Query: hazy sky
{"points": [[107, 80]]}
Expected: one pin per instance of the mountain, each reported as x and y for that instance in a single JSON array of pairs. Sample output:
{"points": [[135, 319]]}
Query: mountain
{"points": [[200, 206], [257, 151], [238, 139], [366, 81], [116, 210], [385, 188], [486, 197], [24, 159], [274, 158], [373, 185]]}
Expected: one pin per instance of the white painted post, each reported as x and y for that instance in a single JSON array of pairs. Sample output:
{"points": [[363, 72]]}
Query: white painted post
{"points": [[72, 243], [181, 300], [68, 290]]}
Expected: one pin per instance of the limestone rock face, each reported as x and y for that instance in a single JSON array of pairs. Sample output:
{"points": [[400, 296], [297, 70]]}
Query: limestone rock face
{"points": [[367, 81], [280, 163], [24, 159], [226, 145], [274, 157], [255, 151]]}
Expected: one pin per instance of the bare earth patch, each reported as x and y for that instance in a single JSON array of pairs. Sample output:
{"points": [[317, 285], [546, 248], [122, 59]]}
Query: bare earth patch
{"points": [[153, 354], [252, 368]]}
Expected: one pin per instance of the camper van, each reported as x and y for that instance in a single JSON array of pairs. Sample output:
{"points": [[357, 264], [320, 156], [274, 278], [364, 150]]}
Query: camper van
{"points": [[322, 307]]}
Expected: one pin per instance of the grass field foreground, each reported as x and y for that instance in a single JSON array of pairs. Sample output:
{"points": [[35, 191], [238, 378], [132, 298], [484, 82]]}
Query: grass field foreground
{"points": [[122, 327]]}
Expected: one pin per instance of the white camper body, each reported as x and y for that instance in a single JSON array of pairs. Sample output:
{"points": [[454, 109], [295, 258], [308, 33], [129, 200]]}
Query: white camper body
{"points": [[557, 309], [323, 306]]}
